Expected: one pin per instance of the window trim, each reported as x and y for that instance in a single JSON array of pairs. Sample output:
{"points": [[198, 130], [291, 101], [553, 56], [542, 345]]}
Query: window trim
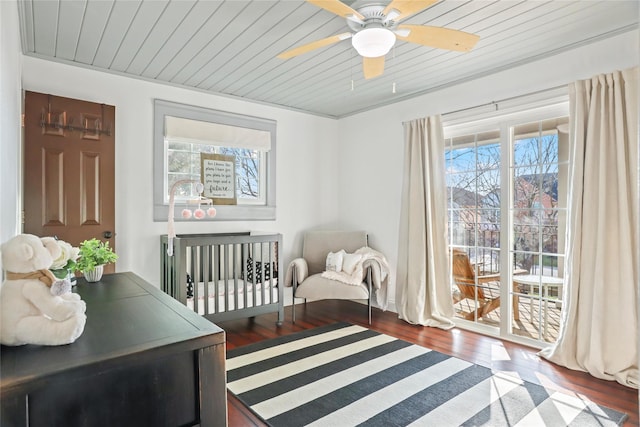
{"points": [[246, 212]]}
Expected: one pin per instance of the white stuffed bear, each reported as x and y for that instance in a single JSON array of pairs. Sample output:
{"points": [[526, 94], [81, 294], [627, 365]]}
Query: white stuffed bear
{"points": [[36, 308]]}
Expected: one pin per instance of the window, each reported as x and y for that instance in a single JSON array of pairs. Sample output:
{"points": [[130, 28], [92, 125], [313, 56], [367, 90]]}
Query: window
{"points": [[186, 136], [183, 163], [473, 165], [506, 184]]}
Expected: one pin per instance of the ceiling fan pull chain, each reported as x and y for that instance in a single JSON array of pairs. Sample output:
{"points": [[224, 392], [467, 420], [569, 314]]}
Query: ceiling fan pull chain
{"points": [[393, 62], [353, 86]]}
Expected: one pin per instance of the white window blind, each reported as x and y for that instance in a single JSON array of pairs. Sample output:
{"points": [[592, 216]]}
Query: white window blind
{"points": [[201, 132]]}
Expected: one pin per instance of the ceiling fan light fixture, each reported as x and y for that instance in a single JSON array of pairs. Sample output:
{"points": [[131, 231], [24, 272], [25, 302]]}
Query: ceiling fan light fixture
{"points": [[373, 42]]}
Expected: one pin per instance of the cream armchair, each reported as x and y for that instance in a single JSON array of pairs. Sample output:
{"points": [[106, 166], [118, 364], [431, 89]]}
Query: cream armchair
{"points": [[305, 273]]}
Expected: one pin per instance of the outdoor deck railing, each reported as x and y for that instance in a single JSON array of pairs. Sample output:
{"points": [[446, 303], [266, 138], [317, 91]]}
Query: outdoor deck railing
{"points": [[481, 241]]}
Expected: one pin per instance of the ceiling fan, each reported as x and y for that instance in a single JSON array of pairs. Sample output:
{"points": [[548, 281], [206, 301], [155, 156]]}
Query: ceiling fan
{"points": [[375, 27]]}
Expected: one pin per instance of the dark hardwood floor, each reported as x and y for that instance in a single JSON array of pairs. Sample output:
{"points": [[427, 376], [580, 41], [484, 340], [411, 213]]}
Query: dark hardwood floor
{"points": [[473, 347]]}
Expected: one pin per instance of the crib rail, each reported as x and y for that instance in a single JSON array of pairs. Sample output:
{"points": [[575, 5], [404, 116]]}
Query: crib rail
{"points": [[233, 275]]}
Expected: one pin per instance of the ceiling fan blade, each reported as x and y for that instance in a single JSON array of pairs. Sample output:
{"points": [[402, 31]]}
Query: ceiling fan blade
{"points": [[406, 8], [372, 67], [336, 7], [314, 45], [441, 38]]}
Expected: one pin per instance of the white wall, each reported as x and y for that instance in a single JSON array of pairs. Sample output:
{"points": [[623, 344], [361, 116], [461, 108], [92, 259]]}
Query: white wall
{"points": [[331, 174], [305, 145], [10, 110], [372, 143]]}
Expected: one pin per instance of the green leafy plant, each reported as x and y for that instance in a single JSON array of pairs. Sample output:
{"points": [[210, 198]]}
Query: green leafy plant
{"points": [[93, 253]]}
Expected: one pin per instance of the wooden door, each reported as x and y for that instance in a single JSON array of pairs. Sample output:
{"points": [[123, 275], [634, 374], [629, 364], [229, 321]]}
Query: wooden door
{"points": [[69, 164]]}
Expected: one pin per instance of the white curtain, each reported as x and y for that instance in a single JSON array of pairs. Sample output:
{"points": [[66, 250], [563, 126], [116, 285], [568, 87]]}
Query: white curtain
{"points": [[423, 294], [599, 326]]}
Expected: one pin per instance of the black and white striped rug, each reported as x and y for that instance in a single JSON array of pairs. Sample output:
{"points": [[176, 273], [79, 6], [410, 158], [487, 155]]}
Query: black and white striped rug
{"points": [[346, 375]]}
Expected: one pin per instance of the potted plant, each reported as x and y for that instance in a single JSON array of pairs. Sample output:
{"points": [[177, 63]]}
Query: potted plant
{"points": [[93, 255]]}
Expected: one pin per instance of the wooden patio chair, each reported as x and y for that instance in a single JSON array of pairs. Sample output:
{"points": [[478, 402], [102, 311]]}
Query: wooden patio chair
{"points": [[464, 277]]}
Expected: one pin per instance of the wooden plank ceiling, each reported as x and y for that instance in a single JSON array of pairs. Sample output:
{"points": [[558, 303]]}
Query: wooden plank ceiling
{"points": [[230, 47]]}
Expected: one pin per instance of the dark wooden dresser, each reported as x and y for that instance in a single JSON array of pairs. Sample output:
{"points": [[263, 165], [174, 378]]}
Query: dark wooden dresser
{"points": [[144, 359]]}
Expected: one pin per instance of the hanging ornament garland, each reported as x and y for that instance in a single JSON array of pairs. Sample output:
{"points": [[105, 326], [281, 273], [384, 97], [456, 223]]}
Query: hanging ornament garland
{"points": [[187, 213]]}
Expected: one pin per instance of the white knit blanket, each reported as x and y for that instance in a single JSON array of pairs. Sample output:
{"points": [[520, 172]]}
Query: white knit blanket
{"points": [[356, 278]]}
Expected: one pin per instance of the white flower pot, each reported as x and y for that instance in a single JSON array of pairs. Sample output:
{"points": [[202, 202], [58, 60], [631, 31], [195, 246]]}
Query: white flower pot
{"points": [[95, 275]]}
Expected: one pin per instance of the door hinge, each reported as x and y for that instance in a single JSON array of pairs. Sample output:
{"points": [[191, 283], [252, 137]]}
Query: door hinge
{"points": [[22, 120], [22, 215]]}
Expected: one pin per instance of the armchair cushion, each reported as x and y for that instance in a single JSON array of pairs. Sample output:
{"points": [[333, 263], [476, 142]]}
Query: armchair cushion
{"points": [[318, 287]]}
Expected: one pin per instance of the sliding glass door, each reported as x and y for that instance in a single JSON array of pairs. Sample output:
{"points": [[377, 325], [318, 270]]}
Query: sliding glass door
{"points": [[538, 215], [473, 165], [507, 192]]}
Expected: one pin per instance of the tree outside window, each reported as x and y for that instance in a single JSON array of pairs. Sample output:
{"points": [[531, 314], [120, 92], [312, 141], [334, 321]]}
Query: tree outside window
{"points": [[183, 162]]}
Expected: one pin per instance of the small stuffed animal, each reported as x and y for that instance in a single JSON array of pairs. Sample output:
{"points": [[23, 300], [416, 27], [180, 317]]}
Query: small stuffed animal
{"points": [[36, 308]]}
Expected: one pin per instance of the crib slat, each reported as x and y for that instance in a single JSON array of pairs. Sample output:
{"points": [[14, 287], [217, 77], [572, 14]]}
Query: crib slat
{"points": [[203, 279], [209, 268], [231, 285], [193, 272], [265, 265], [229, 277], [272, 272], [255, 275], [181, 273], [217, 274], [245, 282], [236, 274], [164, 267], [197, 278]]}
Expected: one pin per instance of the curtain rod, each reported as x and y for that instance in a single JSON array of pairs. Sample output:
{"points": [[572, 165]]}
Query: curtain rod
{"points": [[496, 103]]}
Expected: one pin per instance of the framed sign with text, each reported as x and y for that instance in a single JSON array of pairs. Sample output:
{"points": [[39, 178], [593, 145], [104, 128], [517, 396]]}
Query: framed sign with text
{"points": [[218, 175]]}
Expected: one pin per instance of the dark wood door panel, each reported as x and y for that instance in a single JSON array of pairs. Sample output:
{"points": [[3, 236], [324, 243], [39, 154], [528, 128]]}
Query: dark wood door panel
{"points": [[53, 179], [90, 189], [69, 168]]}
